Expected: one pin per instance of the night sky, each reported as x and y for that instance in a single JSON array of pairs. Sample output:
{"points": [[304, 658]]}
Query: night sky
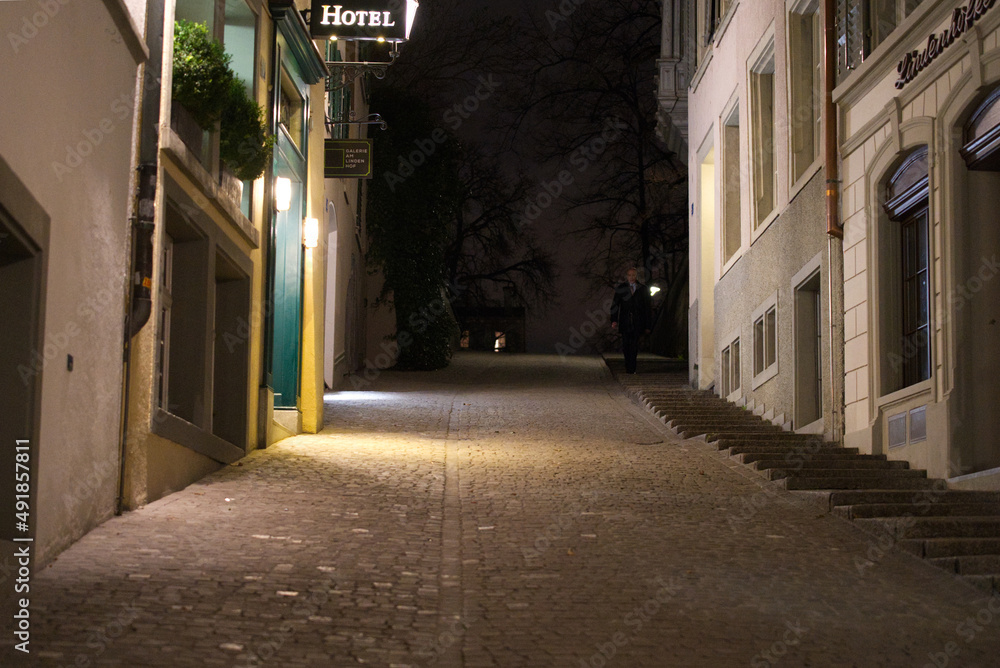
{"points": [[443, 26]]}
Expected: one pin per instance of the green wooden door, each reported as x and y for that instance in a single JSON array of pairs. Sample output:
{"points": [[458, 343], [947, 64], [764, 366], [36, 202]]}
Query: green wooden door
{"points": [[288, 260]]}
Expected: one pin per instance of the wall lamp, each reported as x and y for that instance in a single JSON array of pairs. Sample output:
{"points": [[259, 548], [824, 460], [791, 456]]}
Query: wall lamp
{"points": [[310, 233], [282, 194]]}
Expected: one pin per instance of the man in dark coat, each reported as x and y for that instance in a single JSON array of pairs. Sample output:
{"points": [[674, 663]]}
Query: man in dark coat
{"points": [[631, 315]]}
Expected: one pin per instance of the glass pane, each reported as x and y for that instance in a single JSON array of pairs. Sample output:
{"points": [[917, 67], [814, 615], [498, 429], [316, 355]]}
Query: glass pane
{"points": [[725, 371], [923, 340], [736, 365], [910, 306], [882, 21], [758, 346], [923, 305], [921, 234], [771, 330], [909, 245]]}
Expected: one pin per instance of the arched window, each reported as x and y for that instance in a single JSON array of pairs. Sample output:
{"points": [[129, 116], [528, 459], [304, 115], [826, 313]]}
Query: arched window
{"points": [[908, 286], [982, 136]]}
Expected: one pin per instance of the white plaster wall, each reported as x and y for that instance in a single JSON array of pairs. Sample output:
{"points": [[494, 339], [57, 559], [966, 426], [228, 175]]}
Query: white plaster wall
{"points": [[70, 85]]}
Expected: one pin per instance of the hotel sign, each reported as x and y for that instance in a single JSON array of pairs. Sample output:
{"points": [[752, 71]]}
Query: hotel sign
{"points": [[962, 20], [359, 19], [347, 159]]}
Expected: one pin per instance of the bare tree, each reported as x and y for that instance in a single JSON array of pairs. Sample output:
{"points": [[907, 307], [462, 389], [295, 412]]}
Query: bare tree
{"points": [[587, 103], [489, 258]]}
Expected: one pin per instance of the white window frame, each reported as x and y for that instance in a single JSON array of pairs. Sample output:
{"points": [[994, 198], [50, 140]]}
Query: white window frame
{"points": [[727, 373], [732, 108], [804, 7], [762, 59], [767, 371]]}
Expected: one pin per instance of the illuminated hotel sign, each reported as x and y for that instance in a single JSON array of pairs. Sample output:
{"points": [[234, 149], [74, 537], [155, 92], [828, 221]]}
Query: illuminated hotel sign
{"points": [[362, 19], [962, 20]]}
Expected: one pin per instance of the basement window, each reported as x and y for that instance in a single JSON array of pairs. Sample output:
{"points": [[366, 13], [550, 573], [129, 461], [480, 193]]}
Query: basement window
{"points": [[765, 341]]}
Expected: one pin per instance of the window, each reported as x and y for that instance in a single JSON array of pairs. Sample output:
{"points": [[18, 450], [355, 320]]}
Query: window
{"points": [[710, 16], [715, 11], [864, 24], [905, 277], [762, 124], [765, 341], [805, 43], [339, 101], [166, 301], [290, 110], [731, 220], [240, 38], [729, 368]]}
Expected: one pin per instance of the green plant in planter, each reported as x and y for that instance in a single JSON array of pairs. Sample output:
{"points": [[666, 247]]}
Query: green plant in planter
{"points": [[202, 76], [244, 144]]}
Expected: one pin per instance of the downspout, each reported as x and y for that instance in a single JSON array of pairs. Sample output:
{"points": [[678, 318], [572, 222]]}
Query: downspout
{"points": [[834, 229], [140, 305]]}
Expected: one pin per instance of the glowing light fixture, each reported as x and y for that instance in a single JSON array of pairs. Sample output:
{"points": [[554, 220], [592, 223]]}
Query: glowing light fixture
{"points": [[380, 40], [333, 38], [653, 290], [310, 233], [282, 193], [411, 13]]}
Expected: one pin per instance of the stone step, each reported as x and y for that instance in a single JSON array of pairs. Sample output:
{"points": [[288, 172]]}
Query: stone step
{"points": [[791, 457], [853, 498], [757, 434], [855, 483], [709, 415], [932, 548], [938, 527], [983, 564], [808, 463], [840, 473], [988, 583], [703, 428], [918, 510], [781, 450]]}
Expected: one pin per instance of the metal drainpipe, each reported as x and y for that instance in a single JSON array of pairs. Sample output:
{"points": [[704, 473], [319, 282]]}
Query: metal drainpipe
{"points": [[835, 231], [141, 260]]}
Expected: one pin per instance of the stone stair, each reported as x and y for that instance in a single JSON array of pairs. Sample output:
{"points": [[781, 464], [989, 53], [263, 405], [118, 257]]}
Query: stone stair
{"points": [[958, 531]]}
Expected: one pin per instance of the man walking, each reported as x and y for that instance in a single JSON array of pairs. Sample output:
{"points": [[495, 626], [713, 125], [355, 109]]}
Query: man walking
{"points": [[631, 315]]}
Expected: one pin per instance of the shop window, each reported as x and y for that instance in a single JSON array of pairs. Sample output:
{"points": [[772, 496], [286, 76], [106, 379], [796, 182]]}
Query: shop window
{"points": [[765, 341], [183, 318], [762, 126], [805, 46], [905, 276], [731, 219]]}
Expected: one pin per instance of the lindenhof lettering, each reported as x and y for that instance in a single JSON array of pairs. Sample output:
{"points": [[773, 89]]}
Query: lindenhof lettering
{"points": [[962, 20]]}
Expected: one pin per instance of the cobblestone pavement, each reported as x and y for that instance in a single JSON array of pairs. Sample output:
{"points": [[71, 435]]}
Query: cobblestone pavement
{"points": [[507, 511]]}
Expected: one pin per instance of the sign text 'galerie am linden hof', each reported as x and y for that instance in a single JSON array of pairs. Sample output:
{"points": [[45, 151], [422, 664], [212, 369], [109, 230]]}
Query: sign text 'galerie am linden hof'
{"points": [[360, 19], [347, 159]]}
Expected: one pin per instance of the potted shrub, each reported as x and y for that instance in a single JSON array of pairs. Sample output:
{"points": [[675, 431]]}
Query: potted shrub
{"points": [[244, 144], [205, 86], [202, 76]]}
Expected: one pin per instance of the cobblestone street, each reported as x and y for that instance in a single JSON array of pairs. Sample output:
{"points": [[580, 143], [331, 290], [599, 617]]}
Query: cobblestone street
{"points": [[507, 511]]}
